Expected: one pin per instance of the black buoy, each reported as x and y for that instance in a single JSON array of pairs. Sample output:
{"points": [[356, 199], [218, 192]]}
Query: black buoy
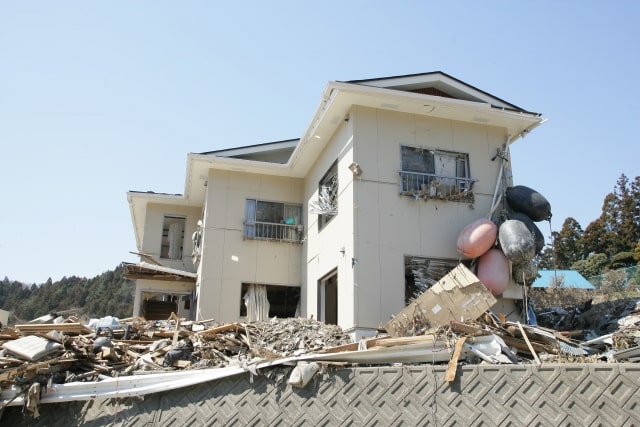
{"points": [[530, 202]]}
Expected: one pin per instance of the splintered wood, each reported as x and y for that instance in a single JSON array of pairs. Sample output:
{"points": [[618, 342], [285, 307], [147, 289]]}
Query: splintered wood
{"points": [[78, 353], [458, 296]]}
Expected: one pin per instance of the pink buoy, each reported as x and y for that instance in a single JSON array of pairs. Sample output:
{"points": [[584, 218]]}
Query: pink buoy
{"points": [[493, 271], [477, 238]]}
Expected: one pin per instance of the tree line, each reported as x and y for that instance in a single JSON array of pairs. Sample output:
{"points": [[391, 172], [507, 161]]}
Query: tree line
{"points": [[108, 294], [610, 242]]}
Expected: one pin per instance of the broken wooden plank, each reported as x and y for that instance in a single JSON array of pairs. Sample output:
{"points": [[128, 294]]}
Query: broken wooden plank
{"points": [[224, 328], [391, 341], [133, 354], [526, 338], [450, 375], [521, 345], [132, 342], [99, 367], [109, 353], [169, 334], [13, 372], [471, 330], [69, 328]]}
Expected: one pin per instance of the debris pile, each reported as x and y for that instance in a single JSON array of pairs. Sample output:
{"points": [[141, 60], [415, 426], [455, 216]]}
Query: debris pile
{"points": [[70, 351], [452, 323], [594, 319]]}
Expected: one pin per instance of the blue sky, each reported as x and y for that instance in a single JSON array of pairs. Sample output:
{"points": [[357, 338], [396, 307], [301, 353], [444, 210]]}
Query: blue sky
{"points": [[98, 98]]}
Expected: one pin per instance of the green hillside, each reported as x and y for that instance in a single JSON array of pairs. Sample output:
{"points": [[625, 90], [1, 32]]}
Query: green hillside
{"points": [[107, 294]]}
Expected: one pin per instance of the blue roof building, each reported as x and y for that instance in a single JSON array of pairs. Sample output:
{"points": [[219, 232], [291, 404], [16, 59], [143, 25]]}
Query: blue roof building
{"points": [[570, 279]]}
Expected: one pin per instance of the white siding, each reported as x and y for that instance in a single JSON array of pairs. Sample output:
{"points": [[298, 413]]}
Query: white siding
{"points": [[387, 226], [229, 259]]}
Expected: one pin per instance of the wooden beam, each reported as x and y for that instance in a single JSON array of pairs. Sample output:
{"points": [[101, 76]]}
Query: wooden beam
{"points": [[35, 328], [526, 338], [224, 328], [450, 375]]}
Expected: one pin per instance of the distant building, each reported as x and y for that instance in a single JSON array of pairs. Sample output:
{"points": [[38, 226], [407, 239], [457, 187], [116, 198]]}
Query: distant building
{"points": [[564, 278], [341, 224], [4, 318]]}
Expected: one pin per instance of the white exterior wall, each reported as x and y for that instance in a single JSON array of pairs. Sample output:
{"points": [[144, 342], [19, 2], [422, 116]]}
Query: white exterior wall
{"points": [[152, 237], [323, 248], [229, 260], [375, 225]]}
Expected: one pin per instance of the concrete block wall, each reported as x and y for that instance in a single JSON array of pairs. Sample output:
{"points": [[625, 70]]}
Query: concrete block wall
{"points": [[487, 395]]}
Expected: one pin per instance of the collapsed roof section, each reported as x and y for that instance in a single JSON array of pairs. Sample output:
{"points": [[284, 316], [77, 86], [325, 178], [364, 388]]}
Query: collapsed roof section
{"points": [[145, 270]]}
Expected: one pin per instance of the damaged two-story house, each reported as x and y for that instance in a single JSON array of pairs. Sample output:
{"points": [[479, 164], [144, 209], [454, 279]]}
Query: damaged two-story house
{"points": [[346, 223]]}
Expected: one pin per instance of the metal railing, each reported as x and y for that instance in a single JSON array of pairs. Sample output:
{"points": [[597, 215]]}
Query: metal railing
{"points": [[272, 231], [429, 185]]}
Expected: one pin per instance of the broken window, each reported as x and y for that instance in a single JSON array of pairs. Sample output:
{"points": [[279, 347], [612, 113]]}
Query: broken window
{"points": [[420, 273], [158, 306], [259, 301], [326, 207], [272, 220], [431, 173], [172, 237]]}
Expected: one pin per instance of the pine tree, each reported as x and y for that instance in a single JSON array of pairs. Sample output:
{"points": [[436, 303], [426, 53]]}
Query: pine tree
{"points": [[567, 244], [628, 226], [593, 239]]}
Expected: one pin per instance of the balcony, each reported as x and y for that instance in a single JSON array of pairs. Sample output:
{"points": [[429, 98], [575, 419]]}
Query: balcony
{"points": [[433, 186], [257, 230]]}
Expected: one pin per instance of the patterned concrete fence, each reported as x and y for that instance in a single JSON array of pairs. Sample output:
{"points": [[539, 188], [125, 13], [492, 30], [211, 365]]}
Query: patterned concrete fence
{"points": [[482, 395]]}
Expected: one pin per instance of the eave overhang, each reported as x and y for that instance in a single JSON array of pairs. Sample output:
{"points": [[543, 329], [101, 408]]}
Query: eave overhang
{"points": [[148, 271], [339, 98], [337, 101], [138, 203]]}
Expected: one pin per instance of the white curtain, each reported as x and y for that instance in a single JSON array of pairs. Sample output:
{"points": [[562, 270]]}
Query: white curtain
{"points": [[175, 240], [250, 218], [255, 299]]}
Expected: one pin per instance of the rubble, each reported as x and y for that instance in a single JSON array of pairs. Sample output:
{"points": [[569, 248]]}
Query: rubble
{"points": [[450, 324]]}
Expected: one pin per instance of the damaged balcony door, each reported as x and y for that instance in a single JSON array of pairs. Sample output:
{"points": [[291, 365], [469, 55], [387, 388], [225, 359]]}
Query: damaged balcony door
{"points": [[328, 298]]}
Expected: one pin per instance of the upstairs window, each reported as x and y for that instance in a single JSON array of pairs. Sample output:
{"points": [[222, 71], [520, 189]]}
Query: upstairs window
{"points": [[172, 237], [272, 221], [431, 173], [326, 206]]}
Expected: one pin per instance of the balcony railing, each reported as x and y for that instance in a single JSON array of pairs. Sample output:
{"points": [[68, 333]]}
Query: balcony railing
{"points": [[433, 186], [272, 231]]}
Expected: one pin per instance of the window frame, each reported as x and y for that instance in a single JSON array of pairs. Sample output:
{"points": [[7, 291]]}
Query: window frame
{"points": [[443, 174], [330, 181], [281, 295], [287, 228], [165, 241]]}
